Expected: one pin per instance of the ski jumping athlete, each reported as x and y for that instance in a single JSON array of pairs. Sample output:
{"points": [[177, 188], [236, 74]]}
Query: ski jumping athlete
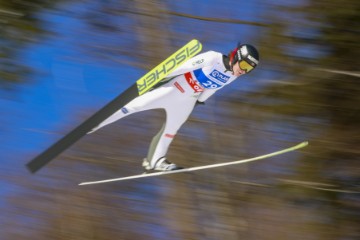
{"points": [[193, 82]]}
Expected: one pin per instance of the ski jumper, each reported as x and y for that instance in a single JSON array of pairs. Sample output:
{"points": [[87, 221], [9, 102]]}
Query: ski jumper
{"points": [[196, 80]]}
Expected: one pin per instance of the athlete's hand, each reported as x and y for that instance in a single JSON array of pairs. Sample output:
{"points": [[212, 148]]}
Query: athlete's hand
{"points": [[199, 103]]}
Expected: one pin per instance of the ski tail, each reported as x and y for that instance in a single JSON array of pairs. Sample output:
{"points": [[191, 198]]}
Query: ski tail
{"points": [[61, 145], [160, 72]]}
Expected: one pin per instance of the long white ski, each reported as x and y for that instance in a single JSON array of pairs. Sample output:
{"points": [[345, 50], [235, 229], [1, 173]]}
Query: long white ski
{"points": [[298, 146]]}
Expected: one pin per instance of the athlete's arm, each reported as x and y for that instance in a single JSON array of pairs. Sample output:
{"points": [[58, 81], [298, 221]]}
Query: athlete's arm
{"points": [[206, 94]]}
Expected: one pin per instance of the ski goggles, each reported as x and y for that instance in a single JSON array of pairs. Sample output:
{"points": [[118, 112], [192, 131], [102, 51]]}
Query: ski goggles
{"points": [[245, 66]]}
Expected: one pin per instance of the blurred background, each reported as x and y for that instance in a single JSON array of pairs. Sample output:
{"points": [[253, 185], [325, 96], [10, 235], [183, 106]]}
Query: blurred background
{"points": [[61, 61]]}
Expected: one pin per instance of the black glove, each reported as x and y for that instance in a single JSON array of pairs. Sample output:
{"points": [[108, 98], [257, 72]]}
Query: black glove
{"points": [[199, 103]]}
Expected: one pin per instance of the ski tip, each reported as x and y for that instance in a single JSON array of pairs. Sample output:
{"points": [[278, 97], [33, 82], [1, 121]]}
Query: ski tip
{"points": [[196, 46], [300, 145], [194, 41], [303, 144]]}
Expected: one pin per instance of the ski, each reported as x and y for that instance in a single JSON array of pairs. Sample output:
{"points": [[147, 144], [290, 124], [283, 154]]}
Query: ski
{"points": [[192, 169], [141, 86]]}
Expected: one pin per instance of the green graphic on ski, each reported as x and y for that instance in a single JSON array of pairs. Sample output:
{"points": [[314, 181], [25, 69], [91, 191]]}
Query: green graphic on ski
{"points": [[192, 169], [140, 87]]}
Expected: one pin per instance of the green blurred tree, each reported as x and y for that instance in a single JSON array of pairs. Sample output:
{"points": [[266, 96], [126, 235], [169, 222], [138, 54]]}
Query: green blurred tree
{"points": [[313, 48], [318, 56]]}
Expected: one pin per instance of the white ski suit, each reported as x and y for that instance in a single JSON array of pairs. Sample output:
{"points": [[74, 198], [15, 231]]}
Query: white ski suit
{"points": [[196, 80]]}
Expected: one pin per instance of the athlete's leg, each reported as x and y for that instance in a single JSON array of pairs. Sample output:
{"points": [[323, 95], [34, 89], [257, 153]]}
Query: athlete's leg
{"points": [[150, 100], [176, 116]]}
